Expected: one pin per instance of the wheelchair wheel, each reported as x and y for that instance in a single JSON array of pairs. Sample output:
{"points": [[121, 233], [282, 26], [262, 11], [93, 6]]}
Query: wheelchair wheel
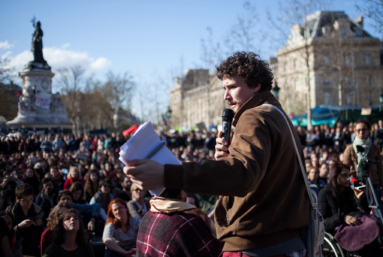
{"points": [[330, 248]]}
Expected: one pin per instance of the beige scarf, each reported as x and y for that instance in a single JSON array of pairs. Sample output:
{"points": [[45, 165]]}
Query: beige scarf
{"points": [[165, 205]]}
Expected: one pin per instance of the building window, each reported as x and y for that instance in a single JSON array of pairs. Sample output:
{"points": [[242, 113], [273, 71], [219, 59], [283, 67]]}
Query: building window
{"points": [[327, 98], [349, 98], [296, 84], [295, 64], [347, 81], [344, 31], [326, 82], [347, 60], [369, 81], [367, 59], [325, 59]]}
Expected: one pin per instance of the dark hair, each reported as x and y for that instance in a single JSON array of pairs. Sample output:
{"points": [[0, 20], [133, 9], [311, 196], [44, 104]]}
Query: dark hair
{"points": [[65, 192], [77, 186], [46, 180], [365, 122], [171, 193], [104, 182], [250, 67], [335, 170], [59, 231], [196, 201], [24, 189], [7, 212]]}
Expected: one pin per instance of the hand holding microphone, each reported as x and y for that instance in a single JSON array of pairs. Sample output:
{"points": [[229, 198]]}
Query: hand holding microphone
{"points": [[223, 139]]}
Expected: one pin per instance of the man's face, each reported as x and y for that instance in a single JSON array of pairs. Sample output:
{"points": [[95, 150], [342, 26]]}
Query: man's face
{"points": [[237, 92], [66, 199], [26, 201], [48, 186], [126, 183], [361, 131]]}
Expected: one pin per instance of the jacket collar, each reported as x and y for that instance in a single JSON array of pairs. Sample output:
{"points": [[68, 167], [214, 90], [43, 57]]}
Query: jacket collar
{"points": [[258, 99]]}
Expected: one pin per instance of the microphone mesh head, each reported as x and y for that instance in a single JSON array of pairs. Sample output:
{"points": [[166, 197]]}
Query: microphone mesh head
{"points": [[227, 115]]}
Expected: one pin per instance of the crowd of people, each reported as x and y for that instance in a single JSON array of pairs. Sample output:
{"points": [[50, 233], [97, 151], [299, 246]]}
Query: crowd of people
{"points": [[58, 191]]}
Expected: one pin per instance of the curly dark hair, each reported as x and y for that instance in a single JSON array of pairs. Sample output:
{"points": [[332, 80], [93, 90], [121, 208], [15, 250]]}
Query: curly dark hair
{"points": [[250, 67], [23, 190], [59, 231]]}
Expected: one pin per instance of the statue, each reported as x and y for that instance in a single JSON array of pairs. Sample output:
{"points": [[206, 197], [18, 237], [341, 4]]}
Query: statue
{"points": [[37, 44], [37, 49]]}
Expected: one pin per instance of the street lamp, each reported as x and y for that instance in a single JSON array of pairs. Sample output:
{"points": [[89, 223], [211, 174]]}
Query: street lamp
{"points": [[168, 113], [276, 90]]}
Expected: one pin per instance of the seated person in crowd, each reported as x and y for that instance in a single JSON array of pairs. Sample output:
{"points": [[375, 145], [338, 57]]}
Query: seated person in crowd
{"points": [[91, 184], [176, 228], [27, 220], [120, 232], [14, 239], [138, 206], [8, 197], [338, 203], [31, 179], [89, 212], [47, 197], [103, 197], [5, 246], [314, 181], [73, 176], [77, 190], [125, 193], [323, 172], [46, 236], [69, 237], [57, 178]]}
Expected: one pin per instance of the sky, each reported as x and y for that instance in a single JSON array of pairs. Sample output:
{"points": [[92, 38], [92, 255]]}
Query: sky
{"points": [[151, 40]]}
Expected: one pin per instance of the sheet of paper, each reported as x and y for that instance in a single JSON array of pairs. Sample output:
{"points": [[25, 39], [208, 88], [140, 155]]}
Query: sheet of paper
{"points": [[142, 144]]}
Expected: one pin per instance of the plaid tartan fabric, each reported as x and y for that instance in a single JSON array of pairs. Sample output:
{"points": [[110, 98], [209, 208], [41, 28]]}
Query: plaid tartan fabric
{"points": [[175, 234]]}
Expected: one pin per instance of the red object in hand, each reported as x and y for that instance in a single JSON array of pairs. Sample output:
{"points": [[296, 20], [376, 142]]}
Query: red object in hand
{"points": [[19, 94]]}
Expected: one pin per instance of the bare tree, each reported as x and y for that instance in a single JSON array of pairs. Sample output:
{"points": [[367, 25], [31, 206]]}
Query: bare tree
{"points": [[373, 9], [5, 70], [210, 51]]}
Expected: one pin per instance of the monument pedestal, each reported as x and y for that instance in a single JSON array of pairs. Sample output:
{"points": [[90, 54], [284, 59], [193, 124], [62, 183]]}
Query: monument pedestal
{"points": [[38, 107]]}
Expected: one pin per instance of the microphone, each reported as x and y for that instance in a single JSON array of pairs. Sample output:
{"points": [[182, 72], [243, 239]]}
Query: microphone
{"points": [[227, 118]]}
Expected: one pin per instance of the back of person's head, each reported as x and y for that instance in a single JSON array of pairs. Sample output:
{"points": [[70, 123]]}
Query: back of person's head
{"points": [[250, 67], [171, 193], [111, 218], [24, 190], [59, 235]]}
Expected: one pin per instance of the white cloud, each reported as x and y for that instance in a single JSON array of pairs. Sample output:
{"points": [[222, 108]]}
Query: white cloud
{"points": [[100, 64], [60, 58], [5, 45]]}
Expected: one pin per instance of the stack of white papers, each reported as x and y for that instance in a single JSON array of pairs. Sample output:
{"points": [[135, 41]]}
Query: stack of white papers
{"points": [[143, 144]]}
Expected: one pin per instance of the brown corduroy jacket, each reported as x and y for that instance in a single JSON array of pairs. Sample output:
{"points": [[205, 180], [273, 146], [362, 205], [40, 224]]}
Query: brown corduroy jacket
{"points": [[263, 200]]}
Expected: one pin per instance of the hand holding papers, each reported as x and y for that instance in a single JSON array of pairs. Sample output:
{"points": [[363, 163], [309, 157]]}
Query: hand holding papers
{"points": [[145, 144]]}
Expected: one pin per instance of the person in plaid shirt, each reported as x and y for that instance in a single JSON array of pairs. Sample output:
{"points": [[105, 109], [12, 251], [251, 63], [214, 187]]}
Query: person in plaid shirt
{"points": [[173, 227]]}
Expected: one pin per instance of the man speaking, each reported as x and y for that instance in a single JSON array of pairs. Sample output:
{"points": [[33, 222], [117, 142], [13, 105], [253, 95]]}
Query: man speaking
{"points": [[263, 200]]}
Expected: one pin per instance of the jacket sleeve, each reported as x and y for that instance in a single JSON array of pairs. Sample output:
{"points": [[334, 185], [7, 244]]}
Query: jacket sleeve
{"points": [[347, 160], [234, 175], [67, 184], [133, 210], [331, 220]]}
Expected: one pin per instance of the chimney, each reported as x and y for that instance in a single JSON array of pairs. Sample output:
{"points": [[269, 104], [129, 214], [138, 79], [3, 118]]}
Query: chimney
{"points": [[359, 20]]}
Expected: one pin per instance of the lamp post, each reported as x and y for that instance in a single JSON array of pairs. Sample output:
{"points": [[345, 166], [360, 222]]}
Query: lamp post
{"points": [[276, 90]]}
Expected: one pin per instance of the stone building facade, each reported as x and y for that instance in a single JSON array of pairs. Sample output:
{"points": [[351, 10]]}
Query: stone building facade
{"points": [[344, 64], [197, 97], [341, 59]]}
